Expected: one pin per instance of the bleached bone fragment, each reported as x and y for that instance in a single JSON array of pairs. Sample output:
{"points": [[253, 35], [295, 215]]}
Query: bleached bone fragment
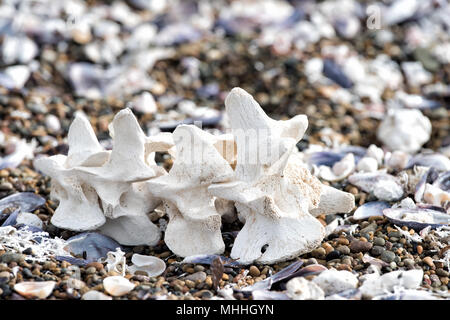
{"points": [[333, 201], [270, 193], [194, 223], [132, 230], [116, 261], [405, 130]]}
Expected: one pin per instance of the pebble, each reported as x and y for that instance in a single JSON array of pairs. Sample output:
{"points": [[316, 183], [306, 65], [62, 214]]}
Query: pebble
{"points": [[442, 273], [344, 250], [197, 276], [378, 241], [6, 186], [409, 263], [377, 250], [360, 246], [97, 265], [12, 257], [254, 271], [428, 261], [318, 253], [419, 249], [335, 254], [387, 256]]}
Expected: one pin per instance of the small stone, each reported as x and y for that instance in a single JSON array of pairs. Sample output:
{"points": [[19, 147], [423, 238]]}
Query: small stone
{"points": [[428, 261], [360, 246], [387, 256], [335, 254], [254, 271], [419, 249], [198, 276], [343, 241], [5, 274], [91, 270], [344, 250], [318, 253], [409, 263], [442, 273], [6, 186], [12, 257], [328, 248], [190, 284], [97, 265], [379, 241], [377, 250], [198, 268]]}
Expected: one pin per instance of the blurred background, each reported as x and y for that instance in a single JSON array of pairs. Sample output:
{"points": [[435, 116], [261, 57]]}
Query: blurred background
{"points": [[344, 63]]}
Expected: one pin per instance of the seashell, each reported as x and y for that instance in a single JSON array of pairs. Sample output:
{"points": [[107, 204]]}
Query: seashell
{"points": [[380, 184], [374, 152], [428, 177], [397, 160], [153, 266], [144, 103], [301, 289], [418, 218], [435, 196], [367, 164], [333, 281], [404, 129], [435, 160], [29, 289], [117, 285], [376, 285], [116, 261], [374, 261], [24, 202], [334, 72], [92, 245], [351, 294], [22, 150], [15, 77], [408, 294], [340, 169], [324, 158], [95, 295], [443, 181], [283, 274], [269, 295], [415, 73], [370, 209], [208, 259], [18, 49], [72, 260], [29, 219]]}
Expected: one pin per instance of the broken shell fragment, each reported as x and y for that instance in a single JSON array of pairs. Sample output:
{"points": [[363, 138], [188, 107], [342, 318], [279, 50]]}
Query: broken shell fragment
{"points": [[153, 266], [95, 295], [340, 169], [333, 281], [38, 289], [370, 209], [405, 130], [380, 184], [417, 218], [117, 285], [301, 289], [333, 201]]}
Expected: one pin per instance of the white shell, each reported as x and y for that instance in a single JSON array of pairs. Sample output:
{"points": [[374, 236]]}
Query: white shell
{"points": [[301, 289], [41, 289], [405, 130], [367, 164], [153, 266], [340, 170], [334, 281], [29, 219], [95, 295], [117, 285], [375, 284]]}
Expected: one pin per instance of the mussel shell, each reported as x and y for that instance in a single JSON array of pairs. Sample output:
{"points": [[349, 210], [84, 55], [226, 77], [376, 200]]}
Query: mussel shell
{"points": [[443, 181], [24, 201], [92, 245], [394, 215], [369, 209], [428, 177], [438, 161], [209, 258]]}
